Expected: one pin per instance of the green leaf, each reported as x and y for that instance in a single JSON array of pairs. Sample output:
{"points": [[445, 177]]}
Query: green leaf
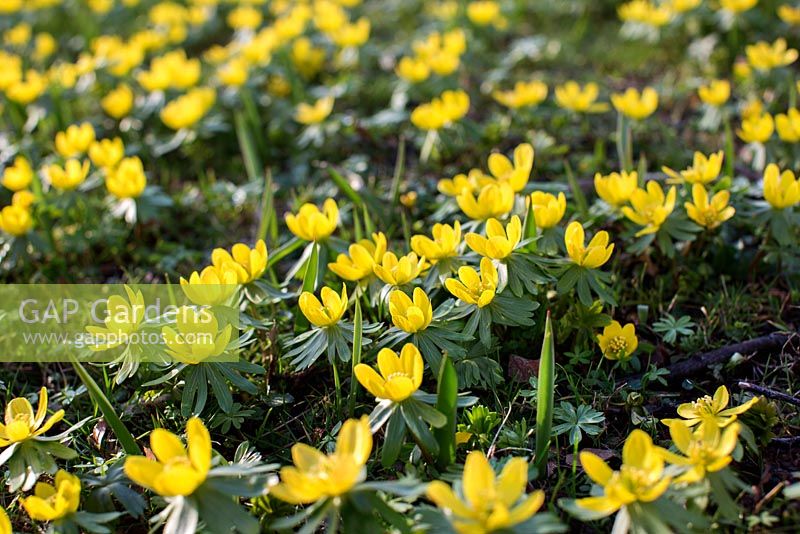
{"points": [[419, 428], [545, 396], [358, 334], [122, 433], [446, 403], [393, 439]]}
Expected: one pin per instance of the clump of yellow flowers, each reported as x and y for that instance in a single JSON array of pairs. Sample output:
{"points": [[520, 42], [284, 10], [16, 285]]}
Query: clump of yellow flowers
{"points": [[442, 111]]}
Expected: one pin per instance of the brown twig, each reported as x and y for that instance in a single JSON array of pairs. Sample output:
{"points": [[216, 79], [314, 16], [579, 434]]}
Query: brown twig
{"points": [[769, 393]]}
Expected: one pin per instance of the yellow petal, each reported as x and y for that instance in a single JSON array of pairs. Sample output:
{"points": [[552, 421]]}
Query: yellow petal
{"points": [[166, 445]]}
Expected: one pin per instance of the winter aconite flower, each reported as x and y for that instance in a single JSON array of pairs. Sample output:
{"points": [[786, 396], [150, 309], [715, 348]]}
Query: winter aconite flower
{"points": [[616, 188], [707, 450], [413, 70], [54, 502], [650, 207], [21, 423], [107, 153], [187, 110], [641, 477], [737, 6], [362, 257], [127, 180], [573, 97], [75, 140], [493, 200], [18, 176], [524, 94], [213, 286], [68, 177], [315, 476], [709, 213], [709, 410], [764, 56], [789, 14], [548, 209], [757, 128], [325, 313], [515, 174], [410, 315], [592, 256], [788, 125], [314, 113], [781, 189], [636, 105], [618, 342], [398, 272], [311, 224], [176, 470], [400, 374], [499, 242], [5, 523], [248, 263], [716, 93], [118, 102], [15, 219], [445, 243], [704, 169], [484, 502], [449, 107], [197, 336], [474, 288]]}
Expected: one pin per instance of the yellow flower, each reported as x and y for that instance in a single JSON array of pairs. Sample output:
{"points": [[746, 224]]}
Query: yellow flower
{"points": [[472, 182], [765, 56], [18, 35], [249, 264], [487, 503], [325, 313], [124, 317], [595, 255], [682, 6], [25, 90], [398, 272], [407, 315], [706, 451], [781, 189], [495, 199], [315, 113], [409, 199], [15, 219], [363, 256], [75, 140], [709, 214], [196, 336], [650, 207], [757, 128], [616, 188], [23, 199], [737, 6], [741, 69], [709, 410], [449, 107], [789, 14], [483, 12], [316, 476], [18, 176], [244, 17], [70, 176], [704, 169], [127, 180], [187, 110], [107, 153], [443, 63], [306, 57], [514, 174], [118, 102], [716, 93], [400, 375], [213, 286], [645, 12], [54, 502], [636, 105], [234, 72], [353, 34], [311, 224], [573, 97], [499, 242], [618, 342], [445, 242], [548, 209], [5, 522], [640, 478], [413, 70], [22, 424], [788, 125], [524, 94], [175, 471], [473, 288]]}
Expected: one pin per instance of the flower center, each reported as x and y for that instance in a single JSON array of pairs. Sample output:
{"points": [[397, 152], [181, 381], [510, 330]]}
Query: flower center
{"points": [[618, 345]]}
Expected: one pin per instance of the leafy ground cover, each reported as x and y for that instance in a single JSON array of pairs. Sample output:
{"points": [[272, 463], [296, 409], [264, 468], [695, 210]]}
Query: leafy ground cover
{"points": [[512, 266]]}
